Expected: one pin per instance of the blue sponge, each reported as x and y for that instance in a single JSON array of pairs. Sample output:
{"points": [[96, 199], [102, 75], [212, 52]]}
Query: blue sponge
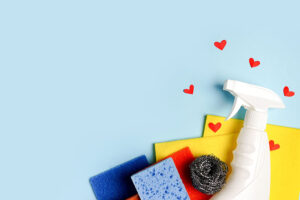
{"points": [[160, 181], [115, 184]]}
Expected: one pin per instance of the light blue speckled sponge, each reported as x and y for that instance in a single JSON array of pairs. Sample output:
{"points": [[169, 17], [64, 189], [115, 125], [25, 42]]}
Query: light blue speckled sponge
{"points": [[160, 182]]}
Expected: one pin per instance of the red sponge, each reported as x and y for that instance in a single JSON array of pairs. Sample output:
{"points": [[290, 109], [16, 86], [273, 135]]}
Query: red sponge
{"points": [[135, 197], [182, 159]]}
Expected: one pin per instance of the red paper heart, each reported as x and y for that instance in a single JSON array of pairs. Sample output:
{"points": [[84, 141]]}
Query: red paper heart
{"points": [[287, 92], [273, 146], [253, 63], [214, 127], [190, 90], [220, 45]]}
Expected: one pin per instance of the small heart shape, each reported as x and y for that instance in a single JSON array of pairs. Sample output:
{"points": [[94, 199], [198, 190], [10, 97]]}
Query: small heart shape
{"points": [[214, 127], [253, 63], [273, 146], [287, 92], [190, 90], [220, 45]]}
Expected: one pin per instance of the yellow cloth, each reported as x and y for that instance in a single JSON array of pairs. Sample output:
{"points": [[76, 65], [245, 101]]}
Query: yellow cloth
{"points": [[285, 161]]}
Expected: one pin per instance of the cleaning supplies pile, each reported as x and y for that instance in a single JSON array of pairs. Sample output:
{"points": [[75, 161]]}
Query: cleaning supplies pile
{"points": [[196, 169]]}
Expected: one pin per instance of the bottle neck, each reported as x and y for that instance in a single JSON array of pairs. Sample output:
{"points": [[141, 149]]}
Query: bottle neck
{"points": [[256, 120]]}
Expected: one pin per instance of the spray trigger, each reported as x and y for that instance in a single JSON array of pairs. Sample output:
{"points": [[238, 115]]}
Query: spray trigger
{"points": [[238, 102]]}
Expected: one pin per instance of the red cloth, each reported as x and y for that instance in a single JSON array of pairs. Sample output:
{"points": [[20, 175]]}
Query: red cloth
{"points": [[182, 159]]}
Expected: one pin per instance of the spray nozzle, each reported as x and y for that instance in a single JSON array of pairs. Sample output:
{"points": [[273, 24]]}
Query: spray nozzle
{"points": [[252, 97]]}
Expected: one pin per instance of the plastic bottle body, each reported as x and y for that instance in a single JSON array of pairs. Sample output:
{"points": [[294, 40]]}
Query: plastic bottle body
{"points": [[250, 177]]}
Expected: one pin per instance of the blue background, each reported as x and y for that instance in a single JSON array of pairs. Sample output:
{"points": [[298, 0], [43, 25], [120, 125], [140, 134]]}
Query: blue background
{"points": [[86, 85]]}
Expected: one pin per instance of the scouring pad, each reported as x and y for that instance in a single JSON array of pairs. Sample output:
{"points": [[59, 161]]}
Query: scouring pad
{"points": [[208, 174], [116, 184], [182, 159], [160, 181]]}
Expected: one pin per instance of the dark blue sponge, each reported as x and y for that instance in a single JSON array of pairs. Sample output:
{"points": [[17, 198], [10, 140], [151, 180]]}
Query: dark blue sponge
{"points": [[116, 184]]}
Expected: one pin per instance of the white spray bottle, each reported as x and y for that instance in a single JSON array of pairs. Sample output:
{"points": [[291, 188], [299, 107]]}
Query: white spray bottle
{"points": [[250, 177]]}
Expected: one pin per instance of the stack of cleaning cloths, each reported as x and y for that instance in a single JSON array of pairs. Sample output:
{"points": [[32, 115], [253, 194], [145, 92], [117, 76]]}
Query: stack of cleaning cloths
{"points": [[175, 174]]}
